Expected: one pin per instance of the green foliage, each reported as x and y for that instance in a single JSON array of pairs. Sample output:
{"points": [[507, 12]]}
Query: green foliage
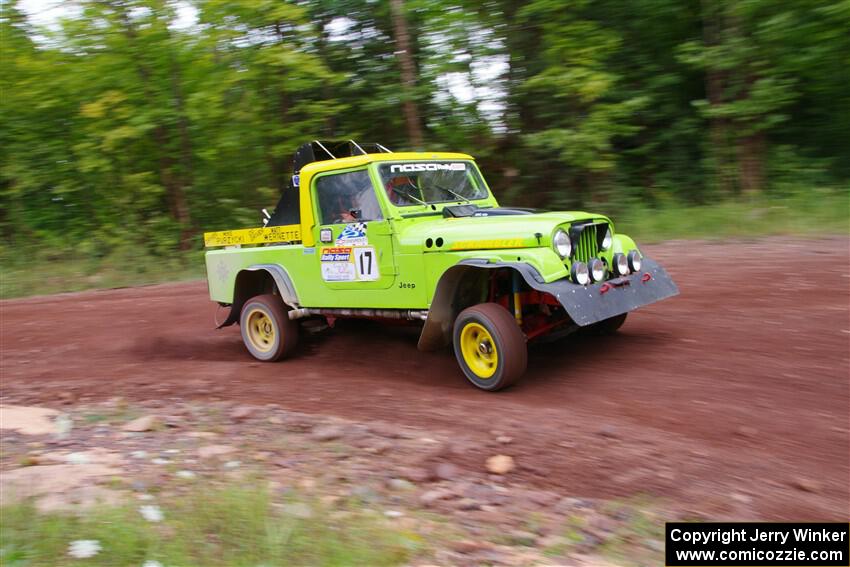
{"points": [[119, 130], [215, 527]]}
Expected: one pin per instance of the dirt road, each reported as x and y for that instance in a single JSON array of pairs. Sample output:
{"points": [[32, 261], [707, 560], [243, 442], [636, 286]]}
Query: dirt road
{"points": [[729, 401]]}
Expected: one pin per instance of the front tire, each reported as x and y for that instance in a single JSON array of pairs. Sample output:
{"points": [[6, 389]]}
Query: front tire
{"points": [[267, 331], [608, 326], [489, 346]]}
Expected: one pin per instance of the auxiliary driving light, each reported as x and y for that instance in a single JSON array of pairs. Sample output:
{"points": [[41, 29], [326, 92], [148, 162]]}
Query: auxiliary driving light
{"points": [[634, 261], [597, 270], [620, 264], [579, 273], [561, 243], [607, 240]]}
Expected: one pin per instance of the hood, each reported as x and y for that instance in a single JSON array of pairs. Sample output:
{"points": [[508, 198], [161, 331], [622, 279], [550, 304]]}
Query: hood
{"points": [[490, 232]]}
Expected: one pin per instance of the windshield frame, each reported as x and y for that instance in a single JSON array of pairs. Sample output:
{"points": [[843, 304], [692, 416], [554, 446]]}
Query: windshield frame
{"points": [[485, 197]]}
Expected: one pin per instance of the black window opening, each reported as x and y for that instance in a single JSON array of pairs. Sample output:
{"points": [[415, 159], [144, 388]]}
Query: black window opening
{"points": [[347, 197]]}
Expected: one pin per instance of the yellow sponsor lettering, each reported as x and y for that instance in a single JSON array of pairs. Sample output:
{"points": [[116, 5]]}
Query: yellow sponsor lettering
{"points": [[488, 244], [263, 235]]}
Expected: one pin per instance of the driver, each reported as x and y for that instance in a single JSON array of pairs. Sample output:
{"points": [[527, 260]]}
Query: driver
{"points": [[344, 210], [402, 190]]}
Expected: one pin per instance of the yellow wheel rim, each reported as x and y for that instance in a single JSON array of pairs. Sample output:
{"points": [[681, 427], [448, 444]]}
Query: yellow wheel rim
{"points": [[261, 330], [479, 350]]}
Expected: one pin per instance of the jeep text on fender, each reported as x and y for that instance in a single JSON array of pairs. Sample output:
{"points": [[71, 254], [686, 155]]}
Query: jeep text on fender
{"points": [[366, 232]]}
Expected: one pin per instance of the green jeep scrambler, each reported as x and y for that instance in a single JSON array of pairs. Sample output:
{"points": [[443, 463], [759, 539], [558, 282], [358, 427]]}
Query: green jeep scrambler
{"points": [[366, 232]]}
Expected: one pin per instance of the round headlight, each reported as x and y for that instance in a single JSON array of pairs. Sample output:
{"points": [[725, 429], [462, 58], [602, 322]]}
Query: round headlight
{"points": [[597, 270], [579, 273], [606, 242], [620, 264], [561, 243], [634, 260]]}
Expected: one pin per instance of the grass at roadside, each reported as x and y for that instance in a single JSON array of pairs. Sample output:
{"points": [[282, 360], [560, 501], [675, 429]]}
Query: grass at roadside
{"points": [[817, 213], [215, 527], [813, 214], [36, 272]]}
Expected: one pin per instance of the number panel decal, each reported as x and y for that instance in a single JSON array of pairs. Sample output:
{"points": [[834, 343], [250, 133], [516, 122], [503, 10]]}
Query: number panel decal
{"points": [[366, 263]]}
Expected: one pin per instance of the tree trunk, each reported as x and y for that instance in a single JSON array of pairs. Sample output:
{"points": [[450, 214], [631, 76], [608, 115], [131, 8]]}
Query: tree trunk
{"points": [[327, 87], [185, 177], [751, 162], [750, 146], [522, 48], [712, 22], [408, 73], [281, 162], [172, 183], [173, 189]]}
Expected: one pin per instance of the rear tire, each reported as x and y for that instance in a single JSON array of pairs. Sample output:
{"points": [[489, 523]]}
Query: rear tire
{"points": [[267, 331], [489, 346]]}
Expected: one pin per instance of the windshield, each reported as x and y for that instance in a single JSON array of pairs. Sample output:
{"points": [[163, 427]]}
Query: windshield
{"points": [[409, 184]]}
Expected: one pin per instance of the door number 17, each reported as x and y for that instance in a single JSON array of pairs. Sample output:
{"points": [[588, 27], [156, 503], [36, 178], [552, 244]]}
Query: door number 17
{"points": [[367, 267]]}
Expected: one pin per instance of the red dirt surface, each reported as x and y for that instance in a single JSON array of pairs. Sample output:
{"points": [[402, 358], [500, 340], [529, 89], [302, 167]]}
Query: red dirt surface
{"points": [[730, 401]]}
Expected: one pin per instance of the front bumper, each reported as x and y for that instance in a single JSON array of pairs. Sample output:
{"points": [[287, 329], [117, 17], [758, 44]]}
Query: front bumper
{"points": [[588, 304]]}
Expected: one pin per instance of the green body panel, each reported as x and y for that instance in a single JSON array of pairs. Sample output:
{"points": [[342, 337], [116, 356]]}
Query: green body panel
{"points": [[622, 244], [224, 265], [408, 269]]}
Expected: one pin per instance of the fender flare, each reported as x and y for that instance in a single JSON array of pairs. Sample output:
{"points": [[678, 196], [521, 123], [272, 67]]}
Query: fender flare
{"points": [[241, 293], [437, 331]]}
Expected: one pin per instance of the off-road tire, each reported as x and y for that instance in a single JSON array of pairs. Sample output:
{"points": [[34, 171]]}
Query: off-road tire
{"points": [[504, 335], [608, 326], [267, 331]]}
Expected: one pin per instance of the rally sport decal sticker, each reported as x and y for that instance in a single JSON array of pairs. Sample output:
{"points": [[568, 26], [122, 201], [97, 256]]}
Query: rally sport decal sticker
{"points": [[349, 264], [353, 234]]}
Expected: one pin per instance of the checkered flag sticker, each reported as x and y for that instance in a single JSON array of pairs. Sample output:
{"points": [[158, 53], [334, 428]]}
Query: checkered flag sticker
{"points": [[354, 230]]}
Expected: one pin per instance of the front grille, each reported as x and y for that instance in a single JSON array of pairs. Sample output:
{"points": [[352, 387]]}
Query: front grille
{"points": [[586, 244]]}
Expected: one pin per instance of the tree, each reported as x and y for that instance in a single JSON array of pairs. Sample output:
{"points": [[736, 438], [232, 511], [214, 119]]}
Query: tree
{"points": [[121, 130], [747, 86], [408, 72], [566, 98]]}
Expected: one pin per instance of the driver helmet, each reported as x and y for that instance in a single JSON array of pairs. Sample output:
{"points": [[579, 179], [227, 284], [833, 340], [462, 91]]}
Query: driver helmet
{"points": [[396, 187]]}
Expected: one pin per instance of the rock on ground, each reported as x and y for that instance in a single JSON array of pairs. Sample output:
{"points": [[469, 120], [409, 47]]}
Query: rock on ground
{"points": [[95, 455], [210, 451], [58, 486], [327, 432], [445, 471], [144, 423], [500, 464], [28, 420], [242, 413]]}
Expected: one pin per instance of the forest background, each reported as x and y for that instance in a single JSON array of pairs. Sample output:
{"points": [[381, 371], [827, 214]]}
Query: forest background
{"points": [[130, 127]]}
